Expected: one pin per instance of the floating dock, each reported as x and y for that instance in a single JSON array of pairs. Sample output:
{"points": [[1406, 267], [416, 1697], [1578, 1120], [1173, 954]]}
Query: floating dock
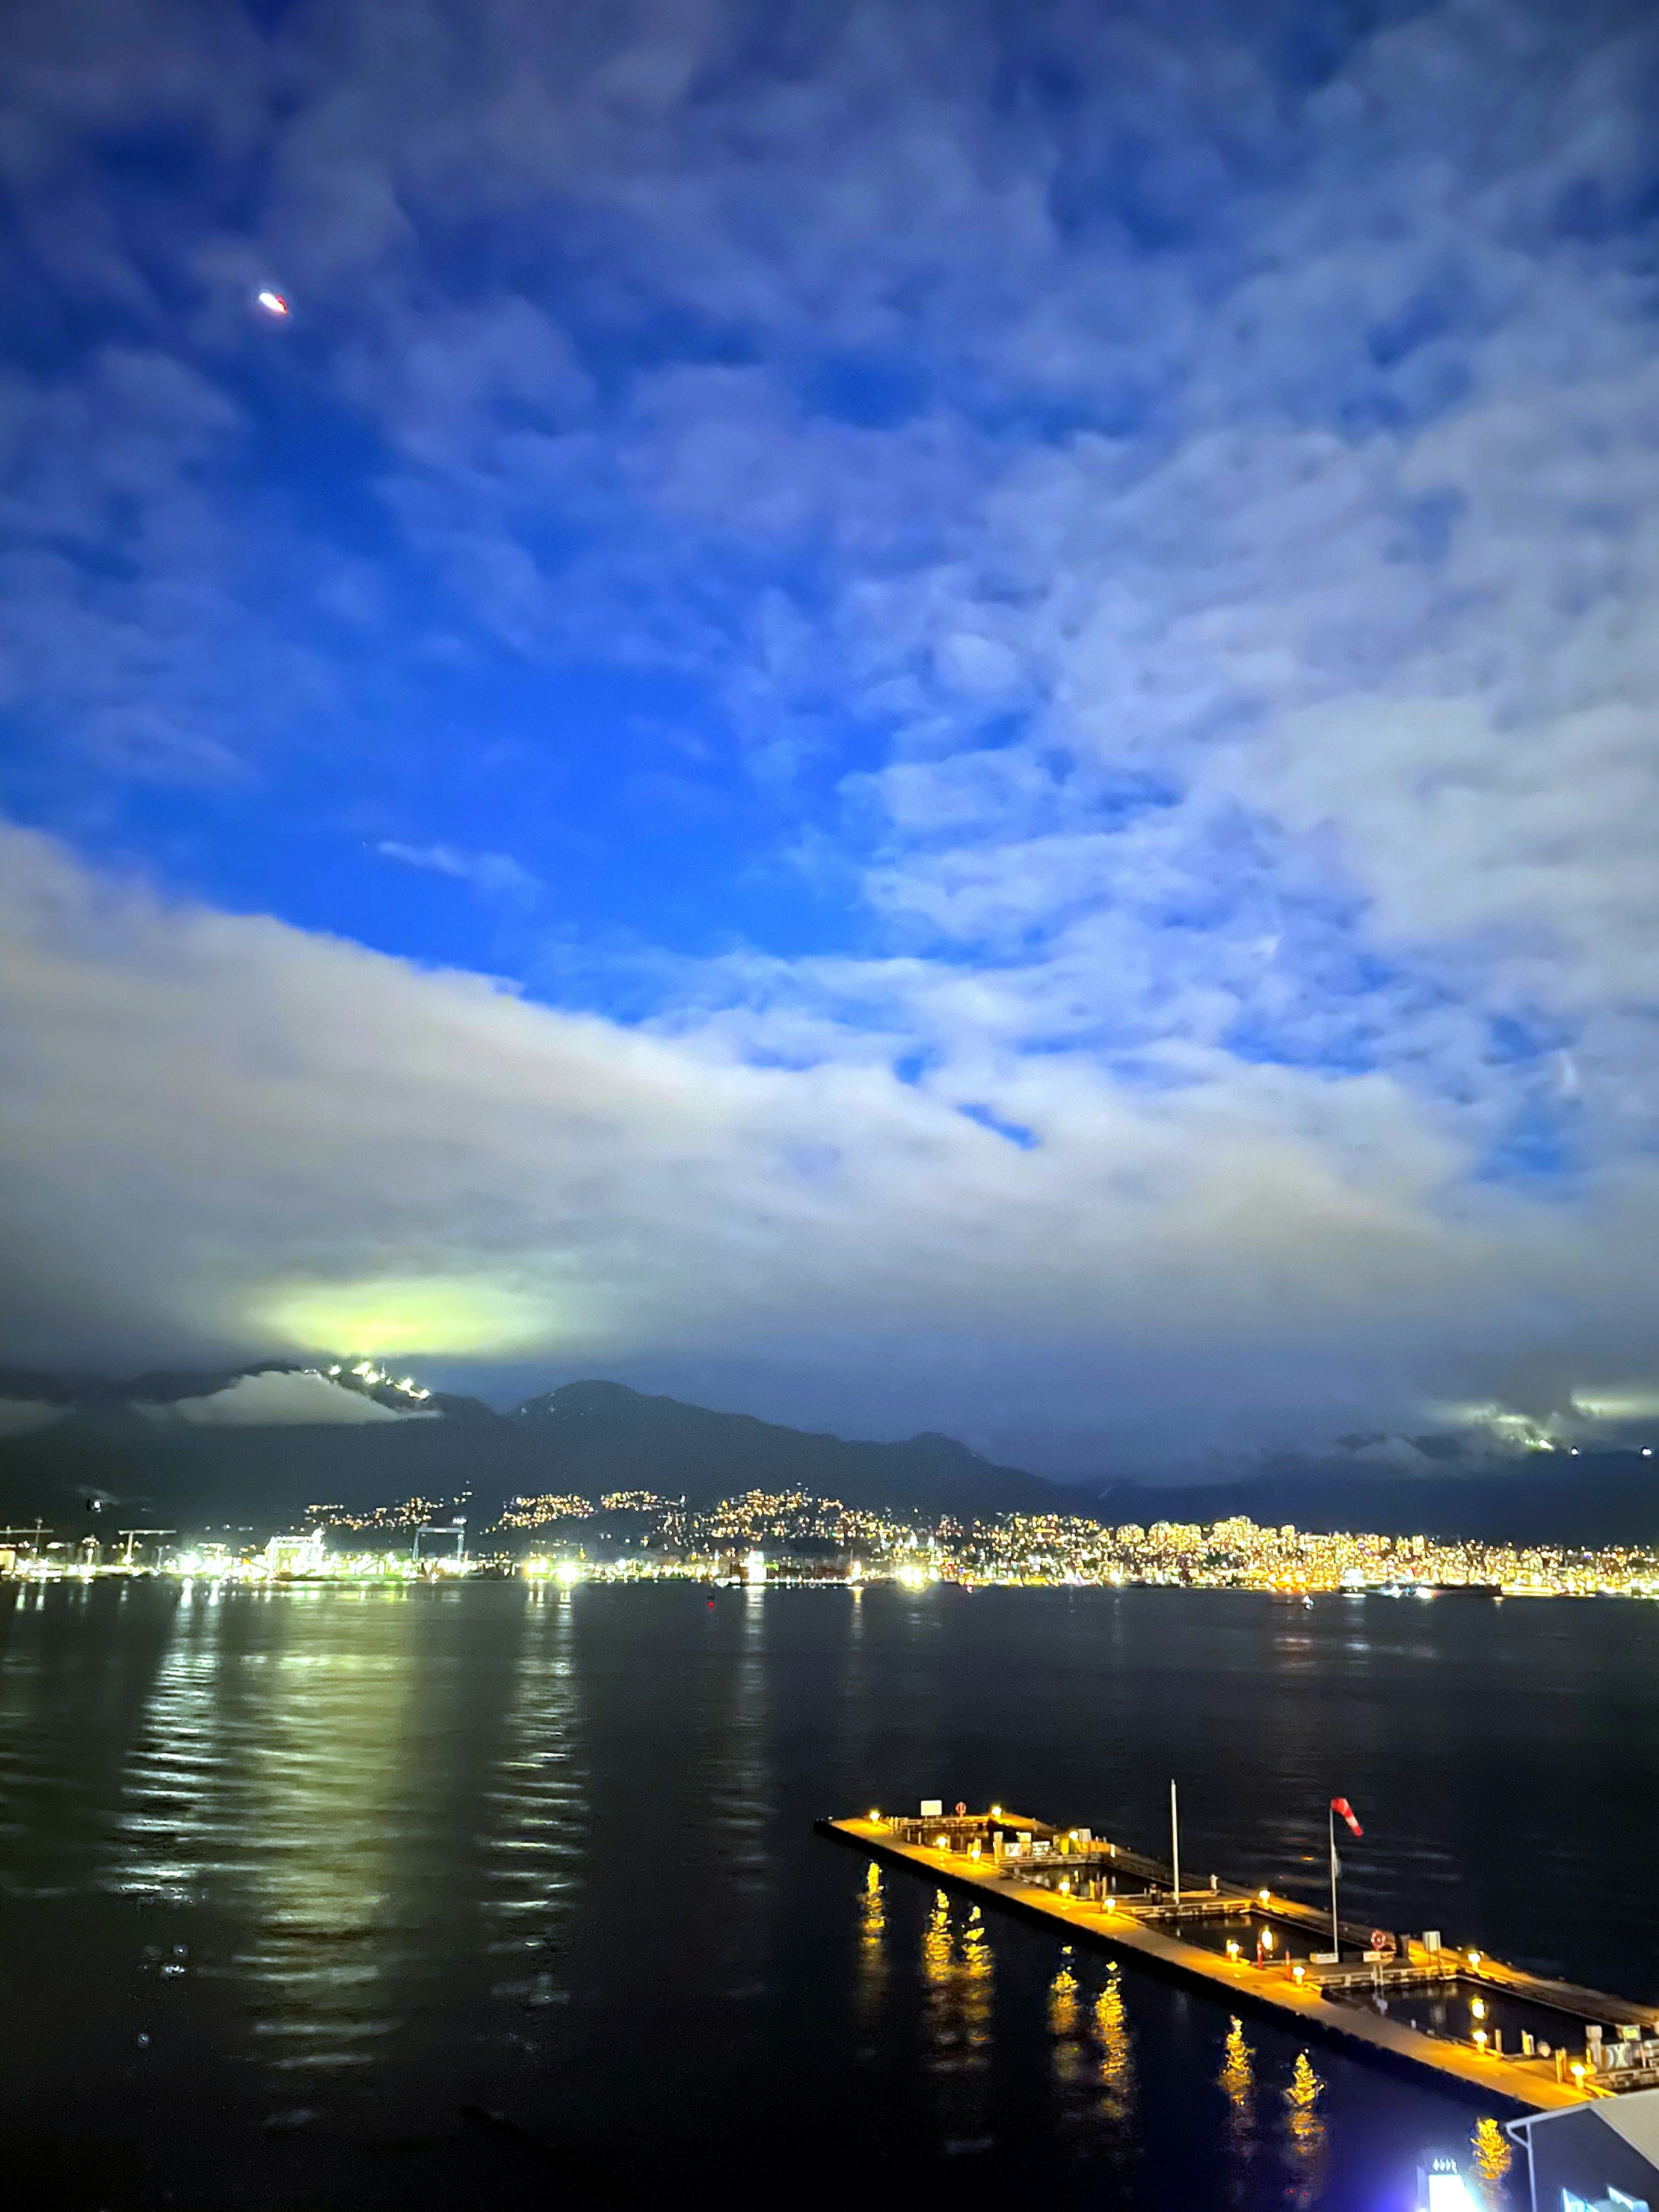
{"points": [[1259, 1949]]}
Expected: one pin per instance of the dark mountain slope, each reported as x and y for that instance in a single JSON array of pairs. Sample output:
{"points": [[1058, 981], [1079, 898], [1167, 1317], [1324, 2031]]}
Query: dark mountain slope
{"points": [[589, 1437], [594, 1437]]}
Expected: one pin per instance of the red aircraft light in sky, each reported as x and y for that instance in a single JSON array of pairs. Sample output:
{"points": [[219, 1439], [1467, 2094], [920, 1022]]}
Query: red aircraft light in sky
{"points": [[273, 303]]}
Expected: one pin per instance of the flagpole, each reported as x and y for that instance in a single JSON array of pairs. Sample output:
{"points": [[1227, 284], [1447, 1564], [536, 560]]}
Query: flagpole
{"points": [[1336, 1940], [1175, 1843]]}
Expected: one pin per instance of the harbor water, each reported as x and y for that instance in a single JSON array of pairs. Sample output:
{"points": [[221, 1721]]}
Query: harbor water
{"points": [[442, 1896]]}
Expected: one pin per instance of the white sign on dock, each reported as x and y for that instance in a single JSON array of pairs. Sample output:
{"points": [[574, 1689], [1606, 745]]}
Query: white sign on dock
{"points": [[931, 1808]]}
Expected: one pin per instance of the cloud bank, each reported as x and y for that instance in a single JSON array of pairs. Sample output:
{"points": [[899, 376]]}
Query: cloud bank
{"points": [[1240, 1252], [277, 1399]]}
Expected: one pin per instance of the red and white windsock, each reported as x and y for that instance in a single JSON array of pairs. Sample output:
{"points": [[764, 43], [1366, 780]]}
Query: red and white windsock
{"points": [[1343, 1811]]}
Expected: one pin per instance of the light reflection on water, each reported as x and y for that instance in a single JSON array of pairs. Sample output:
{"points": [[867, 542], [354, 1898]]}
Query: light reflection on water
{"points": [[1237, 2081], [871, 1987], [538, 1812], [372, 1857], [277, 1780], [1491, 2158], [1304, 2132], [958, 1969], [1117, 2065]]}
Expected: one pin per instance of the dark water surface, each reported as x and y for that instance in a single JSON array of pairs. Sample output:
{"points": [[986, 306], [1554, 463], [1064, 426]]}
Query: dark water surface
{"points": [[294, 1878]]}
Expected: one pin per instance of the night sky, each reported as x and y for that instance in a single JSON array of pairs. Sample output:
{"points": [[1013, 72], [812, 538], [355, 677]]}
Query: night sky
{"points": [[901, 715]]}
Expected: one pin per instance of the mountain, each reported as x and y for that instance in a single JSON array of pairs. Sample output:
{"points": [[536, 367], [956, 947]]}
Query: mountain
{"points": [[258, 1447], [1597, 1498]]}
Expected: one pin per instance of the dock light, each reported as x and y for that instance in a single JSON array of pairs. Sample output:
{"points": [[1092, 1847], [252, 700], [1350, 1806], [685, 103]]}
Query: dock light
{"points": [[1298, 1975], [1233, 1950], [1474, 1958], [1480, 2038], [1577, 2071], [874, 1815], [996, 1812], [1266, 1895], [1478, 2007], [1266, 1939], [1064, 1887], [941, 1843]]}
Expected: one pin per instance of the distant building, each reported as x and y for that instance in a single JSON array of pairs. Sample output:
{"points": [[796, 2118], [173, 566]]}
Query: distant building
{"points": [[295, 1555]]}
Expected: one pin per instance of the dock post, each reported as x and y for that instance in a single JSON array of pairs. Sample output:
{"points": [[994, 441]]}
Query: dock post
{"points": [[1175, 1842]]}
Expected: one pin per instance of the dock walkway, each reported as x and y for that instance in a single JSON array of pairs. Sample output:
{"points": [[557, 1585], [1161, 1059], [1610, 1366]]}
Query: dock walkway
{"points": [[1136, 1923]]}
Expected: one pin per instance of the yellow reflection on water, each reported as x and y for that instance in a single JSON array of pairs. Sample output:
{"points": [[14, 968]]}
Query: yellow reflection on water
{"points": [[1491, 2158], [977, 1970], [1068, 2050], [958, 1977], [873, 1945], [1238, 2081], [1117, 2058], [1304, 2132], [1063, 2000]]}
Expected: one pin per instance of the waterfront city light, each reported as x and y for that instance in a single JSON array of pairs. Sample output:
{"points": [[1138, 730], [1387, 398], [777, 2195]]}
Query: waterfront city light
{"points": [[792, 1538]]}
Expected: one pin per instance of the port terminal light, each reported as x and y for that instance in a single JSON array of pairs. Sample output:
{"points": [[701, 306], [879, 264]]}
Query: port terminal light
{"points": [[1445, 2189]]}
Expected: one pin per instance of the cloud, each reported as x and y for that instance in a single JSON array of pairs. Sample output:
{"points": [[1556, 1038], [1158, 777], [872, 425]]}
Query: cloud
{"points": [[496, 874], [1238, 1254], [279, 1398], [1160, 511], [20, 1416]]}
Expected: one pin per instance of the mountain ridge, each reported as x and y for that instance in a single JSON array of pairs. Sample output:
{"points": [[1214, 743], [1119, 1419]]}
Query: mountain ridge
{"points": [[586, 1437], [180, 1443]]}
